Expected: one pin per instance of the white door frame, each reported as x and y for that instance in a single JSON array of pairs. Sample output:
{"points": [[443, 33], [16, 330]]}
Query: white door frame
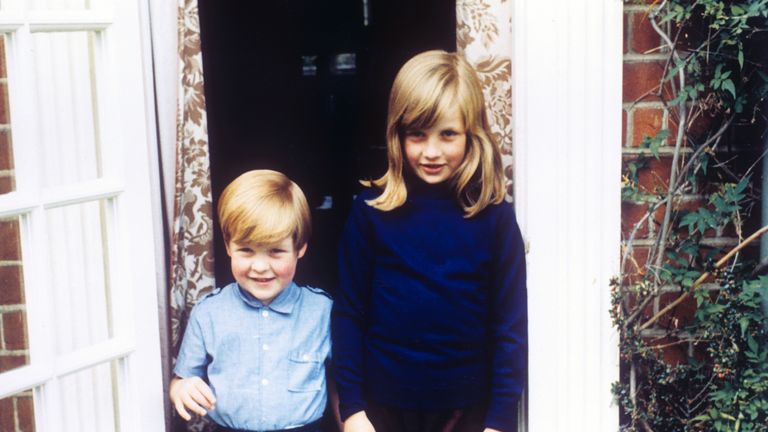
{"points": [[567, 84]]}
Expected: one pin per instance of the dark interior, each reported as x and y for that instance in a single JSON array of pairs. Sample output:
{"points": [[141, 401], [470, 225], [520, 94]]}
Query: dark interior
{"points": [[301, 87]]}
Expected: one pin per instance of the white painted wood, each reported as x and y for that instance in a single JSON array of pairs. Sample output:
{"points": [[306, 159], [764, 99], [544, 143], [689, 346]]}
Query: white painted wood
{"points": [[567, 132], [121, 222]]}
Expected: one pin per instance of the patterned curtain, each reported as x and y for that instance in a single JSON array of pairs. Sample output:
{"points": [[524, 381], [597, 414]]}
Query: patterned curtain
{"points": [[192, 242], [484, 37]]}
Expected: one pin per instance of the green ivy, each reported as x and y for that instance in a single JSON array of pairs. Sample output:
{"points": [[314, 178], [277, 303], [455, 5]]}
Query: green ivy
{"points": [[717, 379]]}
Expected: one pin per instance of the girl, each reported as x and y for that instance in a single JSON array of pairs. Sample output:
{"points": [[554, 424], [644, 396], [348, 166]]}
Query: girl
{"points": [[430, 324]]}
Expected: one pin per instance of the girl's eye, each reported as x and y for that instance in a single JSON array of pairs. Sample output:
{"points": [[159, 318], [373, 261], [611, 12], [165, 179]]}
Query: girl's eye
{"points": [[449, 133], [415, 134]]}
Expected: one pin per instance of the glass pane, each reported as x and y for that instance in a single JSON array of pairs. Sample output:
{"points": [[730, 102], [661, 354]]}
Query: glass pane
{"points": [[17, 413], [67, 115], [87, 400], [14, 344], [65, 4], [78, 275], [7, 177]]}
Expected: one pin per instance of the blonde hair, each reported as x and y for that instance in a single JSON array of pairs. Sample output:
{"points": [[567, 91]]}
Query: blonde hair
{"points": [[264, 207], [426, 88]]}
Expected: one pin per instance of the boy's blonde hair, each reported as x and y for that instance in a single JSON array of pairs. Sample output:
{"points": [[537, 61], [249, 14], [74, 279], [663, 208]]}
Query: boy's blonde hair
{"points": [[264, 207], [427, 87]]}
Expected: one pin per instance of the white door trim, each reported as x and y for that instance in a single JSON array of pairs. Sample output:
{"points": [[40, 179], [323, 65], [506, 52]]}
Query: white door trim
{"points": [[567, 84]]}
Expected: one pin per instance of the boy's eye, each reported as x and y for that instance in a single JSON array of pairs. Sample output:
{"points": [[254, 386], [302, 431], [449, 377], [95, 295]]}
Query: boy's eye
{"points": [[276, 251]]}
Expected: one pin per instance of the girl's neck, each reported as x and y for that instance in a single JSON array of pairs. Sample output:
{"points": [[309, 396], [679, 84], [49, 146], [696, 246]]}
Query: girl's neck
{"points": [[418, 187]]}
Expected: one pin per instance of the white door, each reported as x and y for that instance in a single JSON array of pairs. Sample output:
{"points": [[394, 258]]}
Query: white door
{"points": [[80, 323]]}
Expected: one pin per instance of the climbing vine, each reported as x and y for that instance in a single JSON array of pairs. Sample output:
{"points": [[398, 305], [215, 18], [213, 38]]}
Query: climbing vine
{"points": [[689, 309]]}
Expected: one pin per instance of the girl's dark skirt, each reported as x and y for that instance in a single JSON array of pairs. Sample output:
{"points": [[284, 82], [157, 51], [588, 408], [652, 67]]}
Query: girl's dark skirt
{"points": [[388, 419]]}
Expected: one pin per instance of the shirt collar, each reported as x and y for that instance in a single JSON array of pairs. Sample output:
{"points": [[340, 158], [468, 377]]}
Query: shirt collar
{"points": [[283, 303]]}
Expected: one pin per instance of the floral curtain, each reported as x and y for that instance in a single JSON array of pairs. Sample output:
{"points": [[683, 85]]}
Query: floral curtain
{"points": [[484, 37], [191, 266]]}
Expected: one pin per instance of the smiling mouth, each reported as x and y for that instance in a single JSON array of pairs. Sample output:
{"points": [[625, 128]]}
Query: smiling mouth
{"points": [[431, 167], [263, 280]]}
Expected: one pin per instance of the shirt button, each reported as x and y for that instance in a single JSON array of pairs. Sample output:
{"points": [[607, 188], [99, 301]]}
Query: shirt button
{"points": [[264, 381], [265, 347], [305, 357], [264, 314]]}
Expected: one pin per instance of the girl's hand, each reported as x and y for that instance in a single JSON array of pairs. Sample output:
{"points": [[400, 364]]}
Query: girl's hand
{"points": [[358, 422], [193, 394]]}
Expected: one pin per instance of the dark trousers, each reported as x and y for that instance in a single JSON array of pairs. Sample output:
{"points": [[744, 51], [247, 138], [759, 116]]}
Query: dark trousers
{"points": [[315, 426], [387, 419]]}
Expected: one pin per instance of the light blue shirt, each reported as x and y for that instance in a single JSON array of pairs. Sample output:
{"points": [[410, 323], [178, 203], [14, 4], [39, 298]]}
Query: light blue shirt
{"points": [[265, 364]]}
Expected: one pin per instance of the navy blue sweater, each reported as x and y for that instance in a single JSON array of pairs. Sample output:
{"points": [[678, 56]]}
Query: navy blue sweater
{"points": [[432, 311]]}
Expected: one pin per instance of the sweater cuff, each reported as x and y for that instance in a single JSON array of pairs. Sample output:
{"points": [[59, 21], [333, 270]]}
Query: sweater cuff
{"points": [[503, 418], [347, 409]]}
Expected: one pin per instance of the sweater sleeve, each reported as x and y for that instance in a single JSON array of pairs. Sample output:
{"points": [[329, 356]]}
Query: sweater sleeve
{"points": [[509, 324], [349, 310]]}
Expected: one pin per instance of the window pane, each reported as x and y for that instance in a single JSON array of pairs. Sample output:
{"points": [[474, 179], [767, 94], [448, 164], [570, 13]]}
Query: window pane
{"points": [[65, 4], [67, 112], [78, 262], [7, 178], [87, 399], [14, 346], [17, 413]]}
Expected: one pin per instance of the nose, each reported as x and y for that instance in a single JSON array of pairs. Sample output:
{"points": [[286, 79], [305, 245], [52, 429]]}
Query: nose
{"points": [[432, 149], [259, 265]]}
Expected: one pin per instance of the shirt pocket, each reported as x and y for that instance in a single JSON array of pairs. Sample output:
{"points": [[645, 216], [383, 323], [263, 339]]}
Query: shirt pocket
{"points": [[306, 371]]}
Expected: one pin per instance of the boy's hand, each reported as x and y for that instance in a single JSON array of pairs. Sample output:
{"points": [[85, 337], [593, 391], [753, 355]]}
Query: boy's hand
{"points": [[358, 422], [192, 393]]}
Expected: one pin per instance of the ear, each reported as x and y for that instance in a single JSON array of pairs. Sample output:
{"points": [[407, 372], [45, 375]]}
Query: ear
{"points": [[301, 251], [229, 251]]}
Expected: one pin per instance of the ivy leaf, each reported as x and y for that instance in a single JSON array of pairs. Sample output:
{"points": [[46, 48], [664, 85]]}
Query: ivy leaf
{"points": [[741, 58], [728, 85]]}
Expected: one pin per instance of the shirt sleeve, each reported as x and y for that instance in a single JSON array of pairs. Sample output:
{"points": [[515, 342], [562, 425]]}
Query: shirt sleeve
{"points": [[349, 310], [193, 357], [509, 324]]}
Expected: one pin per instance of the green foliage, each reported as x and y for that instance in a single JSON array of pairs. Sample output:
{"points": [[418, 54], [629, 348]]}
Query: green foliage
{"points": [[706, 370]]}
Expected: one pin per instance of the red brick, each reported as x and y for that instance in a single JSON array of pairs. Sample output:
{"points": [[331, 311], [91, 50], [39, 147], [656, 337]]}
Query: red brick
{"points": [[623, 127], [646, 122], [670, 349], [679, 317], [644, 37], [10, 249], [15, 331], [6, 154], [10, 362], [10, 285], [654, 177], [626, 33], [26, 412], [7, 184], [4, 116], [641, 81], [7, 420], [631, 213], [636, 265], [3, 70]]}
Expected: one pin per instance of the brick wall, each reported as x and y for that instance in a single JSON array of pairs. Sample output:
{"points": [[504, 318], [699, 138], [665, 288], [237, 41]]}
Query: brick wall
{"points": [[643, 115], [16, 412]]}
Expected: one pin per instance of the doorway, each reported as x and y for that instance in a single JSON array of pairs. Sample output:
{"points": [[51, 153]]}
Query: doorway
{"points": [[301, 87]]}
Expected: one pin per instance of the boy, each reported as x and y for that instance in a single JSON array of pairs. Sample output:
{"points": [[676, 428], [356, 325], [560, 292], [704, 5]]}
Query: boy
{"points": [[253, 354]]}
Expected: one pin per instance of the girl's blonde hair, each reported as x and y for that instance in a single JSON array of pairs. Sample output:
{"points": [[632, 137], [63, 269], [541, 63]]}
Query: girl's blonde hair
{"points": [[264, 207], [427, 87]]}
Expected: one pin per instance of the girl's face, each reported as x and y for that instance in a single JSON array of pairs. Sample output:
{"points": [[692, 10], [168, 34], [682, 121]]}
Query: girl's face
{"points": [[434, 154]]}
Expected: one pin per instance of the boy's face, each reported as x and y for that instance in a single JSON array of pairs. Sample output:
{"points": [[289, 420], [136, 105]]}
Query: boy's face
{"points": [[264, 270]]}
